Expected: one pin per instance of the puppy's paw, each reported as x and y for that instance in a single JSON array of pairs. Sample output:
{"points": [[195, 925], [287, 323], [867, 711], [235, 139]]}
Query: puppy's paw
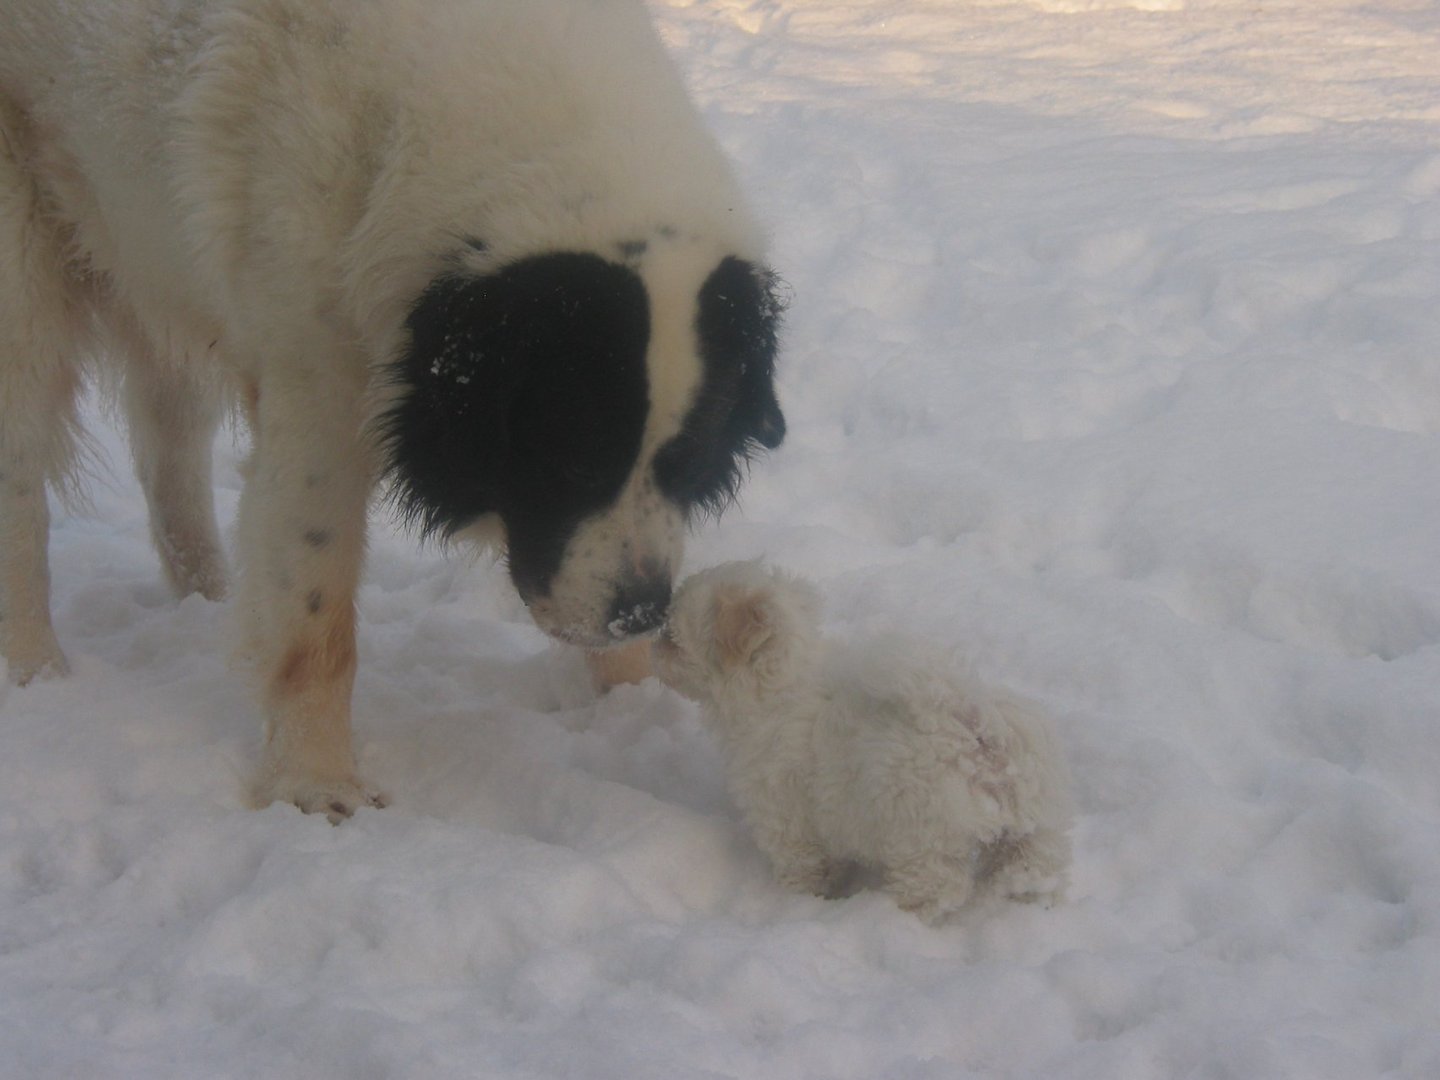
{"points": [[930, 910], [1031, 869], [336, 798], [932, 888], [1031, 887], [817, 876]]}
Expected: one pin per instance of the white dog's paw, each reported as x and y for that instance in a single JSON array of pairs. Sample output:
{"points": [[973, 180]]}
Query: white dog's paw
{"points": [[41, 658], [336, 798]]}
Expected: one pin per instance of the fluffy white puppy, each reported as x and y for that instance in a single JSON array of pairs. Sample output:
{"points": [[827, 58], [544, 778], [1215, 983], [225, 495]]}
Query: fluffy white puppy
{"points": [[878, 755]]}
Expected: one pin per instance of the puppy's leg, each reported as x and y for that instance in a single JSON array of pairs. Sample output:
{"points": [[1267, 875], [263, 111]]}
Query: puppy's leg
{"points": [[811, 870], [801, 862], [1030, 866], [38, 384], [302, 537], [173, 411]]}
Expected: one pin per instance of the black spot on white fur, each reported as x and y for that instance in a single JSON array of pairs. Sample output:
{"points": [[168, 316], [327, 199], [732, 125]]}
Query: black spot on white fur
{"points": [[735, 413], [523, 393]]}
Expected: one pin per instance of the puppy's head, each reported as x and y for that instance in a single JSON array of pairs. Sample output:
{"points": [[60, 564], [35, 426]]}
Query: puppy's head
{"points": [[589, 405], [739, 631]]}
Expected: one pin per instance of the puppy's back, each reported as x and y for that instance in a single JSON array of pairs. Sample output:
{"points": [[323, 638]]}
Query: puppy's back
{"points": [[901, 682]]}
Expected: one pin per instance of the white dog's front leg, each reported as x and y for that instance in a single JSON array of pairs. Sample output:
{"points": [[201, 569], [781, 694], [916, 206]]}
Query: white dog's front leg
{"points": [[27, 637], [38, 388], [618, 666], [302, 538]]}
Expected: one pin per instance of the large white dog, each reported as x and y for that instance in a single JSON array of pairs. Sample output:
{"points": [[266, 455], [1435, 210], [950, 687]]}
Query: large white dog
{"points": [[482, 247], [878, 754]]}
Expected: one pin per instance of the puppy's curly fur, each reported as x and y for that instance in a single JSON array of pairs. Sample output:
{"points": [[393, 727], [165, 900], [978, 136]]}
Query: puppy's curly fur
{"points": [[879, 754]]}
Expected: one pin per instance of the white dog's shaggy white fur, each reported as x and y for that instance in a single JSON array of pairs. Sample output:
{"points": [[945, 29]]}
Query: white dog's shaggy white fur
{"points": [[877, 754], [483, 247]]}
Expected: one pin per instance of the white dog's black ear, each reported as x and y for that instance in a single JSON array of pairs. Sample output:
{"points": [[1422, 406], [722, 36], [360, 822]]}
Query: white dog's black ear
{"points": [[743, 624]]}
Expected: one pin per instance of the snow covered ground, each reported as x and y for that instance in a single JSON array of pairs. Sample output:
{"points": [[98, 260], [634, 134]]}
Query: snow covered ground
{"points": [[1114, 361]]}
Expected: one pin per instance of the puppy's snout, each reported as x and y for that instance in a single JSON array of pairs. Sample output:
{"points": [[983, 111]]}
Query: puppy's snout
{"points": [[639, 607]]}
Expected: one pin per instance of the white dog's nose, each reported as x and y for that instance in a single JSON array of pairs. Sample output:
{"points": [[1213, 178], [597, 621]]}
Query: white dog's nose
{"points": [[639, 608]]}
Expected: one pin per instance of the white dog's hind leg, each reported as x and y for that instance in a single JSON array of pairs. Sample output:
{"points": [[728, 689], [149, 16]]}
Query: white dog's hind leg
{"points": [[38, 387], [302, 537], [173, 411]]}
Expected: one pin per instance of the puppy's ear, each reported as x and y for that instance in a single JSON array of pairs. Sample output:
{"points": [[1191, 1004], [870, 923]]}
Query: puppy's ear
{"points": [[742, 626]]}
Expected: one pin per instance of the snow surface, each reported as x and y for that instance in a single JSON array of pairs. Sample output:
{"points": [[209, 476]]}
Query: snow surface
{"points": [[1113, 360]]}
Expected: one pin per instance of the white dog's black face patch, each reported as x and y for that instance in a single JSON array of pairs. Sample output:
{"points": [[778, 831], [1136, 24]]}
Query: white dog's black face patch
{"points": [[526, 393]]}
